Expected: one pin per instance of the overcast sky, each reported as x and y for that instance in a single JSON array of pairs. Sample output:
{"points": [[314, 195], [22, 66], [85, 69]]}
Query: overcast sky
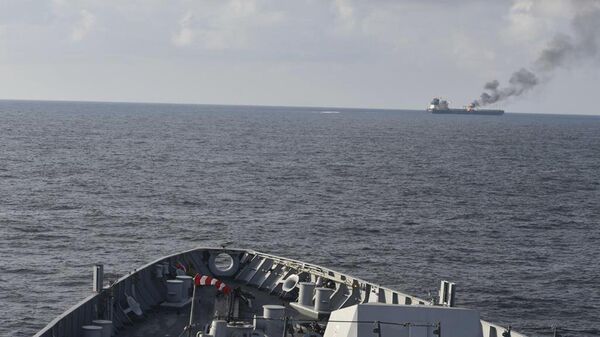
{"points": [[351, 53]]}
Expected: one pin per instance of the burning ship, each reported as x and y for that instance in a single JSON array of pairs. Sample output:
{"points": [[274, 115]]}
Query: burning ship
{"points": [[440, 106]]}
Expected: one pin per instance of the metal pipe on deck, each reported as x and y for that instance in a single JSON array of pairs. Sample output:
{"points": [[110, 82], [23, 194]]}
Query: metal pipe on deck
{"points": [[98, 278], [191, 320]]}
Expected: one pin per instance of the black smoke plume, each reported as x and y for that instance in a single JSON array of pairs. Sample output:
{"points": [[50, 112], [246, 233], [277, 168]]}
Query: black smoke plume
{"points": [[562, 51]]}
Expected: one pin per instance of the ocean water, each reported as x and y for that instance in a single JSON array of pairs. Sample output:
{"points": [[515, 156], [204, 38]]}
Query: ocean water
{"points": [[507, 207]]}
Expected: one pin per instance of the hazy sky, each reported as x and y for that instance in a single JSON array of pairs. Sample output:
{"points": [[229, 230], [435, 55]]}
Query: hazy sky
{"points": [[355, 53]]}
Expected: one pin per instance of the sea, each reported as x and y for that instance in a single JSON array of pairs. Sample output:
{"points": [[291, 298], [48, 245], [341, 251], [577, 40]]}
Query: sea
{"points": [[507, 207]]}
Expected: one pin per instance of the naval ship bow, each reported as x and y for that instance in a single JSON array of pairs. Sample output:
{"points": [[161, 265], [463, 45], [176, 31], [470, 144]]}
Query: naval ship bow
{"points": [[222, 292]]}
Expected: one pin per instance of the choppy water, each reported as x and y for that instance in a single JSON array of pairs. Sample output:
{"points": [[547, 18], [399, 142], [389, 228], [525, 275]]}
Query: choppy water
{"points": [[507, 207]]}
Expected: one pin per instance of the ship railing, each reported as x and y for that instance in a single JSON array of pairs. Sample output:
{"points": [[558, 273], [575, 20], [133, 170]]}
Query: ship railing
{"points": [[494, 330]]}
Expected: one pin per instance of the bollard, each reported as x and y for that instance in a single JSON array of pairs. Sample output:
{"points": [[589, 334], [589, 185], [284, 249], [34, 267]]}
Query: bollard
{"points": [[91, 331], [322, 302], [218, 328], [274, 315], [187, 285], [105, 325], [305, 294], [174, 291]]}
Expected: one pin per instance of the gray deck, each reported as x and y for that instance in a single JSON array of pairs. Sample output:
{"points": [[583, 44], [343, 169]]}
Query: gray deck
{"points": [[162, 322]]}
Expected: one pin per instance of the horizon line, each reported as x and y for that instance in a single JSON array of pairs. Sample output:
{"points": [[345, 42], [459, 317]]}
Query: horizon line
{"points": [[261, 105]]}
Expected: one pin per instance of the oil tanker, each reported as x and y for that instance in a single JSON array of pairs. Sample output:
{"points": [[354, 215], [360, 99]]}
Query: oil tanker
{"points": [[439, 106]]}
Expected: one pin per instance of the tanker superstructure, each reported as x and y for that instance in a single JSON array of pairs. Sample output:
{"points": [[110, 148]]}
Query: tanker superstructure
{"points": [[440, 106]]}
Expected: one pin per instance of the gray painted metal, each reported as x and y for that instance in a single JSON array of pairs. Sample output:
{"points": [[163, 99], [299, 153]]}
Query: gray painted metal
{"points": [[263, 272]]}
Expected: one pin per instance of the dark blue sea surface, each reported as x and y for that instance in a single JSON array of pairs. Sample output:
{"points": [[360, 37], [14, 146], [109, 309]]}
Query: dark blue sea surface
{"points": [[507, 207]]}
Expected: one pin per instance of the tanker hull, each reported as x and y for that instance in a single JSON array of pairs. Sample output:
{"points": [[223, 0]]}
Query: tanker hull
{"points": [[441, 107], [488, 112]]}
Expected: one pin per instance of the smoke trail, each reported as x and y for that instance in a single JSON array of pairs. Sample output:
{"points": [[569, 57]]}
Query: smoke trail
{"points": [[562, 51], [520, 82]]}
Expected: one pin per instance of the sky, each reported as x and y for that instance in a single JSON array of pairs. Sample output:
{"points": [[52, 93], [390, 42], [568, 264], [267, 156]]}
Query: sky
{"points": [[395, 54]]}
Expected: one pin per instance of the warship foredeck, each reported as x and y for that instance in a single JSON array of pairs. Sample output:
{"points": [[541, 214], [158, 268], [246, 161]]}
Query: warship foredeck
{"points": [[222, 292]]}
